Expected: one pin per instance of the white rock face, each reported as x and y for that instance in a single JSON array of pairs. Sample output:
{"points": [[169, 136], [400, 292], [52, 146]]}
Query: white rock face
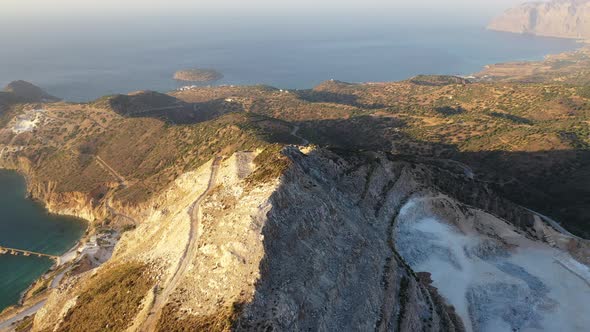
{"points": [[337, 244], [497, 279], [558, 18], [27, 122]]}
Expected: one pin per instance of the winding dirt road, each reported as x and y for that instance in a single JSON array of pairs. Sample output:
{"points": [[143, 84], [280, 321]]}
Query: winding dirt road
{"points": [[190, 251], [294, 133]]}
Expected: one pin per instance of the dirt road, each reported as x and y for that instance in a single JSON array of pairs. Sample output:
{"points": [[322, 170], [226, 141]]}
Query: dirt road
{"points": [[111, 170], [294, 133], [5, 325], [188, 256]]}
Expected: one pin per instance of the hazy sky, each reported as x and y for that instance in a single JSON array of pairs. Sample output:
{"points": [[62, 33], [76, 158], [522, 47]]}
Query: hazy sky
{"points": [[16, 8]]}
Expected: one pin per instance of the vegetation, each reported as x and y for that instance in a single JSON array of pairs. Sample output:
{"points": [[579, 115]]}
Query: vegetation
{"points": [[198, 75], [107, 302], [510, 125], [437, 80], [25, 325], [271, 163], [224, 320]]}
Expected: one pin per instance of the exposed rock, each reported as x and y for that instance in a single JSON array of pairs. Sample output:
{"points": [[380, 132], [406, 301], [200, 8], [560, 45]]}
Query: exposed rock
{"points": [[314, 239], [557, 18], [330, 262], [328, 247]]}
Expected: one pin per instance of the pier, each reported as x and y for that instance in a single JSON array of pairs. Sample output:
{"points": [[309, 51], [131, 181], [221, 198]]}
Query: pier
{"points": [[19, 252]]}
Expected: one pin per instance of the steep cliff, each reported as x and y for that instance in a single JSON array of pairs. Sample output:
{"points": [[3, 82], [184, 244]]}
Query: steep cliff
{"points": [[338, 241], [557, 18], [291, 255]]}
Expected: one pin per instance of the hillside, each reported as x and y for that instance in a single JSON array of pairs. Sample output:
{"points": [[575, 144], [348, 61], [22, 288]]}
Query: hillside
{"points": [[345, 206], [556, 18], [29, 92]]}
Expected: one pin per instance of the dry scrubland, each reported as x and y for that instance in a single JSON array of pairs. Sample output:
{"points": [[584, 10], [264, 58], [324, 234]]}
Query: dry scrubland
{"points": [[138, 163]]}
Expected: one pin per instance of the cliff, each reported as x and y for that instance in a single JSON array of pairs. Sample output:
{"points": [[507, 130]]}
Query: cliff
{"points": [[335, 242], [557, 18], [261, 260]]}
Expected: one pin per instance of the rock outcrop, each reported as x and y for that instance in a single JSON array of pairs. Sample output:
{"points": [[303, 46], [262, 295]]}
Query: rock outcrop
{"points": [[332, 243], [330, 260], [557, 18], [312, 251]]}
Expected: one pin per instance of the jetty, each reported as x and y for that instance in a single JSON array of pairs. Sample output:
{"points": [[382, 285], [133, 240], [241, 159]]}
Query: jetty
{"points": [[19, 252]]}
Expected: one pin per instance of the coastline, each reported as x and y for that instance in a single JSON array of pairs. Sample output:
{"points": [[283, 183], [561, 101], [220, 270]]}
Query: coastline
{"points": [[45, 276], [24, 295], [87, 234]]}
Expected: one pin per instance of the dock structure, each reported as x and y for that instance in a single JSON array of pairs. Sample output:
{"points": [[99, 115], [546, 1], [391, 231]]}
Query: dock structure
{"points": [[17, 252]]}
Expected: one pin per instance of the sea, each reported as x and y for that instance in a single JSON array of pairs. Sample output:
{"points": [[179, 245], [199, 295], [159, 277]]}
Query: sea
{"points": [[81, 59], [26, 225]]}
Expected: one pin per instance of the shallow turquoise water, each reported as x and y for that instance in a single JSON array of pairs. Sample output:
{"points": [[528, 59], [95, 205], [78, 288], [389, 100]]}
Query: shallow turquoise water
{"points": [[25, 224]]}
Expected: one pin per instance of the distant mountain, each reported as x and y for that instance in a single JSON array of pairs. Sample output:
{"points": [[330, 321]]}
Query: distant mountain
{"points": [[28, 92], [23, 92], [557, 18]]}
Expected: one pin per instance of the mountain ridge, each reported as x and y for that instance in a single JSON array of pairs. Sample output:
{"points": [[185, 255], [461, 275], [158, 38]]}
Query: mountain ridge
{"points": [[285, 207], [557, 18]]}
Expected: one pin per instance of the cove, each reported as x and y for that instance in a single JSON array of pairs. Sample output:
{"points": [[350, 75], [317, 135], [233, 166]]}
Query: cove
{"points": [[25, 224]]}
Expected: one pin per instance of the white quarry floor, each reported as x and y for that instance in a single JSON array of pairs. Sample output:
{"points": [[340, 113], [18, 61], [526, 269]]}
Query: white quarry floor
{"points": [[27, 122], [526, 287]]}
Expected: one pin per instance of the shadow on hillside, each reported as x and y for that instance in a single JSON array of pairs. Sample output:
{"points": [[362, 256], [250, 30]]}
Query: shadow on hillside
{"points": [[325, 236], [314, 96], [313, 240], [511, 117], [555, 183], [173, 110], [450, 110], [360, 133]]}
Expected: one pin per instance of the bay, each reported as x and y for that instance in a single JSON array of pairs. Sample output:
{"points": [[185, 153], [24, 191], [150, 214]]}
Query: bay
{"points": [[26, 225]]}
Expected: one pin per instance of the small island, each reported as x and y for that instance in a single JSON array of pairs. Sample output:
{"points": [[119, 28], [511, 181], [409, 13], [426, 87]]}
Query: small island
{"points": [[198, 75]]}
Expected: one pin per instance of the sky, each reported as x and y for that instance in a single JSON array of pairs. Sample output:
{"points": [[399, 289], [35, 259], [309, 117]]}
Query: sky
{"points": [[27, 8]]}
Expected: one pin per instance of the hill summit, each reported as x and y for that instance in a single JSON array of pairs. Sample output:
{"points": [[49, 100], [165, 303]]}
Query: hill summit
{"points": [[29, 92]]}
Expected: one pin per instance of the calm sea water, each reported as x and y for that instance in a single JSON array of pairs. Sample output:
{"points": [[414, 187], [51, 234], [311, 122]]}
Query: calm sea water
{"points": [[25, 224], [83, 59]]}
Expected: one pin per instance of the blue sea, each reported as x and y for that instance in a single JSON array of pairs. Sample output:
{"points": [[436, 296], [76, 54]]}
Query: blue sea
{"points": [[83, 59]]}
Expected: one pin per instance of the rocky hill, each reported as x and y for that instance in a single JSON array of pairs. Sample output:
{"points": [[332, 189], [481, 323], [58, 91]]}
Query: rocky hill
{"points": [[29, 92], [557, 18], [19, 92], [397, 206]]}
